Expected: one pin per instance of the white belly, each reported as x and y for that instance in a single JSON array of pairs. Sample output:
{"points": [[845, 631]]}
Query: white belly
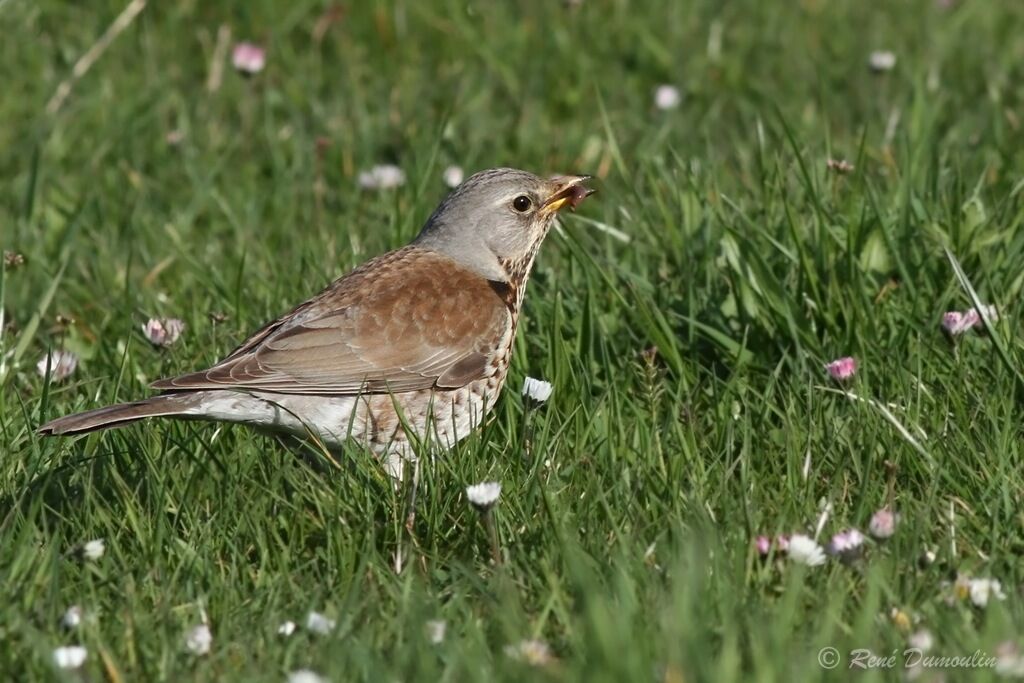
{"points": [[370, 421]]}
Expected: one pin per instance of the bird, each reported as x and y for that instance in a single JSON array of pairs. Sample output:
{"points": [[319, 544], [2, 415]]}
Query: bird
{"points": [[414, 344]]}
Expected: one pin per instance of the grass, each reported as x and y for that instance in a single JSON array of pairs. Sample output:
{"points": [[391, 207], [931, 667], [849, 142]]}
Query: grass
{"points": [[687, 362]]}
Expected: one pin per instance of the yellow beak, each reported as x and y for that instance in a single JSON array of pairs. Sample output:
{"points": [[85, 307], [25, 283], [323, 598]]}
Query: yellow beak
{"points": [[569, 190]]}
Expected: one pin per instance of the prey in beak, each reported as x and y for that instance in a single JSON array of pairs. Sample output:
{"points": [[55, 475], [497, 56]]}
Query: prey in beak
{"points": [[570, 191]]}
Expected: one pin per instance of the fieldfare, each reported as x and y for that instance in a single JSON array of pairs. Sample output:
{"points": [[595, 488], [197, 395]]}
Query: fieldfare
{"points": [[416, 340]]}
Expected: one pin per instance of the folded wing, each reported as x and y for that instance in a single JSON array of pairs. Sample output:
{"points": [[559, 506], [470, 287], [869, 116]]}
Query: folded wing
{"points": [[410, 319]]}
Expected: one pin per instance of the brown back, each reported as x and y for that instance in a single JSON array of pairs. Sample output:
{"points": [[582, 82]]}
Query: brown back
{"points": [[409, 319]]}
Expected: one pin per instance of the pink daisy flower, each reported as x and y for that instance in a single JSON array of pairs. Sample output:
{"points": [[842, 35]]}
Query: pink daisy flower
{"points": [[847, 544], [248, 58], [842, 369]]}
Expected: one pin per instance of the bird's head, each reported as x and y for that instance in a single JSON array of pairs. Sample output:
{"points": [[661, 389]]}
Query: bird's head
{"points": [[494, 222]]}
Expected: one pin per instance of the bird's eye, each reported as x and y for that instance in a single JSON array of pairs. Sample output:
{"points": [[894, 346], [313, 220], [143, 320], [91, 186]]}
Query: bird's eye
{"points": [[522, 203]]}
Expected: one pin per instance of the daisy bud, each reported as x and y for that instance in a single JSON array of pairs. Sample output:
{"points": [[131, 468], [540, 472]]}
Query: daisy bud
{"points": [[61, 364], [163, 332], [883, 523]]}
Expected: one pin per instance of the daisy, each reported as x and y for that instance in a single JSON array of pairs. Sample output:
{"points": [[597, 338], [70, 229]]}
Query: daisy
{"points": [[436, 630], [842, 369], [319, 624], [94, 549], [305, 676], [988, 312], [286, 628], [69, 656], [61, 364], [533, 652], [248, 58], [667, 97], [163, 332], [980, 590], [72, 617], [1009, 661], [881, 61], [382, 177], [921, 640], [805, 550], [453, 176], [956, 323], [537, 389], [199, 639], [484, 495], [847, 544], [883, 523]]}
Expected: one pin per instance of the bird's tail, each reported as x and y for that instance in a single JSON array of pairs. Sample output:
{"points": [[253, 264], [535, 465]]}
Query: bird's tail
{"points": [[109, 417]]}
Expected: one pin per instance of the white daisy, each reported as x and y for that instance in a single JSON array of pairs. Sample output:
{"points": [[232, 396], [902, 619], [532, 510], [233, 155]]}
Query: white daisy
{"points": [[199, 639], [436, 630], [382, 177], [320, 624], [667, 97], [921, 640], [805, 550], [61, 364], [72, 617], [453, 176], [989, 312], [484, 495], [94, 549], [982, 589], [306, 676], [536, 389], [286, 628], [69, 656], [882, 60], [1009, 661]]}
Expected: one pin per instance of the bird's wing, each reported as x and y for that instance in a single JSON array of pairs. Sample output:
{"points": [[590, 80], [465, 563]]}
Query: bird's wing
{"points": [[410, 319]]}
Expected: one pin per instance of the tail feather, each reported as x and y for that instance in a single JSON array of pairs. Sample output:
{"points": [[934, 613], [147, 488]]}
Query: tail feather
{"points": [[109, 417]]}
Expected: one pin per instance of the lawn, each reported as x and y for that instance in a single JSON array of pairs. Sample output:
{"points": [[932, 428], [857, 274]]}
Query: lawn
{"points": [[684, 317]]}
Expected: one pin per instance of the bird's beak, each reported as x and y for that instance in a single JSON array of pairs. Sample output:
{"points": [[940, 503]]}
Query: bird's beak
{"points": [[569, 190]]}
